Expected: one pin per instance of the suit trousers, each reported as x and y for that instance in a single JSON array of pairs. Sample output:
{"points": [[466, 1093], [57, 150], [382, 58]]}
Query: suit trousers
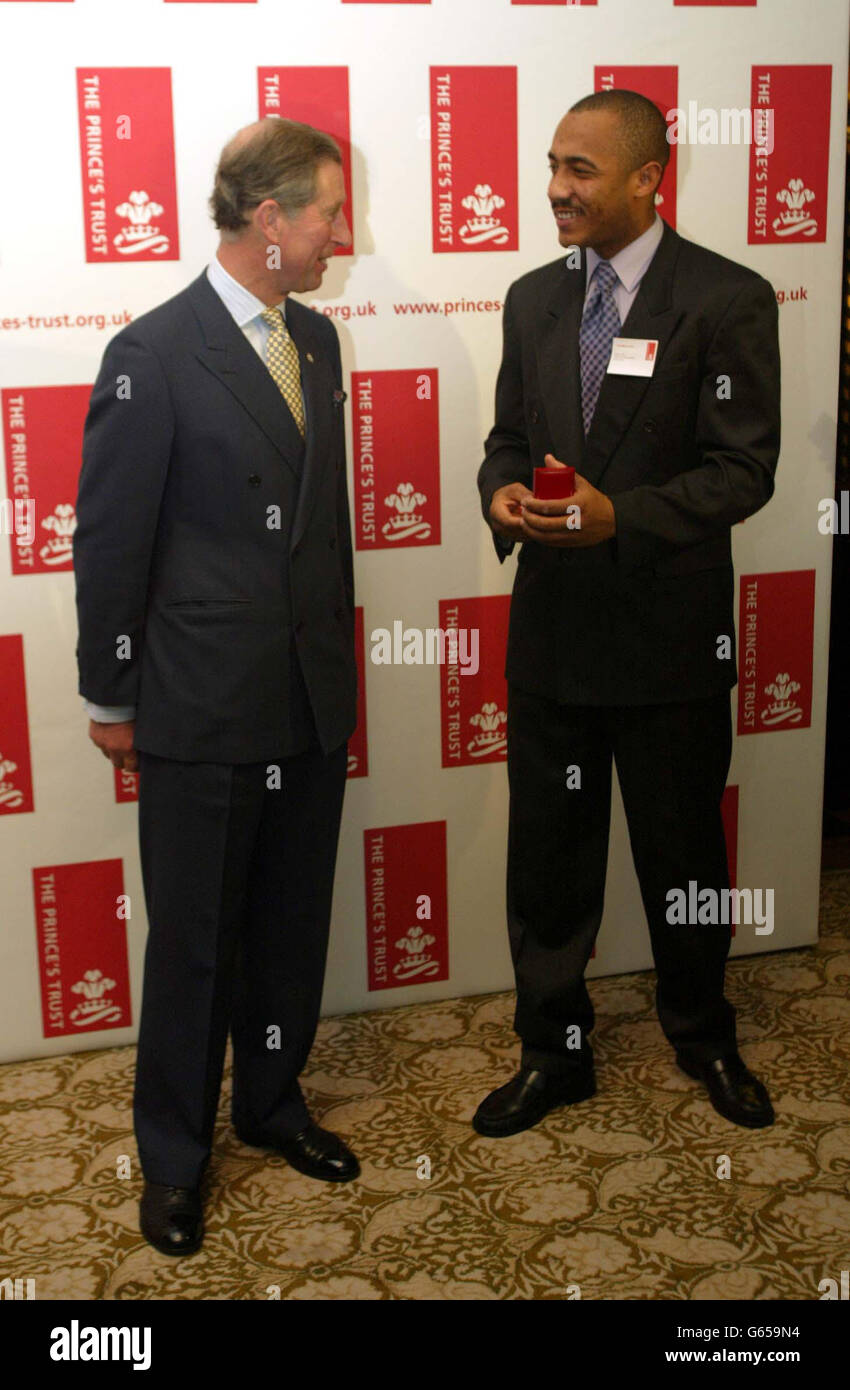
{"points": [[238, 881], [672, 762]]}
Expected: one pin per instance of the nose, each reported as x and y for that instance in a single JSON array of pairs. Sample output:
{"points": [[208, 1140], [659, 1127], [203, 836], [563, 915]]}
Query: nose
{"points": [[560, 186], [341, 232]]}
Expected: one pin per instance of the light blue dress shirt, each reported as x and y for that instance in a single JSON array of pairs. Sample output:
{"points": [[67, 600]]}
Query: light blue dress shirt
{"points": [[245, 308], [631, 264]]}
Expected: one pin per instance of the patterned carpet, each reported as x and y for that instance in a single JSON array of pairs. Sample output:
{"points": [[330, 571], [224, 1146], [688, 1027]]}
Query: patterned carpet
{"points": [[618, 1195]]}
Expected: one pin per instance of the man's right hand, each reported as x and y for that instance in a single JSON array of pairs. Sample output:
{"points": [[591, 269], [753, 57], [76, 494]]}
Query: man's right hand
{"points": [[115, 742], [506, 512]]}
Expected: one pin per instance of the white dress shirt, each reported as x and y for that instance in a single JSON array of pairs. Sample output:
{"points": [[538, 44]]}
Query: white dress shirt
{"points": [[246, 309]]}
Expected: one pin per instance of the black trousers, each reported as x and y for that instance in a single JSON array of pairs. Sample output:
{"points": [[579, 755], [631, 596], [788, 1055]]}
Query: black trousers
{"points": [[238, 883], [672, 763]]}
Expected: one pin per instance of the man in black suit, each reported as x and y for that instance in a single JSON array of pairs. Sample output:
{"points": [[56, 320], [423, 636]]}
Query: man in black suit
{"points": [[215, 599], [621, 637]]}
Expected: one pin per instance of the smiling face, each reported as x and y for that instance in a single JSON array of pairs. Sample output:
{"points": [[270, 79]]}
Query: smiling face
{"points": [[597, 201]]}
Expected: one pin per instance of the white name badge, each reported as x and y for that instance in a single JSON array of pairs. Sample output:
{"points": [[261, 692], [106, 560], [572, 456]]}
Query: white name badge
{"points": [[633, 356]]}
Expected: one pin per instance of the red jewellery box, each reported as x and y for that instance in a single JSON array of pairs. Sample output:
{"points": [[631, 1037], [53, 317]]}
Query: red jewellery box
{"points": [[554, 482]]}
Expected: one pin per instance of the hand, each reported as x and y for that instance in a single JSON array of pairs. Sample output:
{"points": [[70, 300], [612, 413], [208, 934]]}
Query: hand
{"points": [[115, 742], [506, 510], [549, 522]]}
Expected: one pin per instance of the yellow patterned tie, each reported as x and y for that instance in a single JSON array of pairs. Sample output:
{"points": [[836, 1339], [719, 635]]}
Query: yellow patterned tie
{"points": [[282, 362]]}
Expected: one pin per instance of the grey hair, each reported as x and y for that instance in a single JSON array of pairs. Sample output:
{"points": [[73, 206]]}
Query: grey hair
{"points": [[274, 158]]}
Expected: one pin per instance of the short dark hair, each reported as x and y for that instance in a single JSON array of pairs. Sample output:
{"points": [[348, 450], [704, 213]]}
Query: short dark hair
{"points": [[275, 158], [642, 125]]}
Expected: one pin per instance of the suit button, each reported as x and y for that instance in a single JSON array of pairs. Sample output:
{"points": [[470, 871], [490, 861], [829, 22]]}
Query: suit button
{"points": [[332, 542], [254, 480], [296, 552], [299, 626], [337, 612], [650, 427], [535, 416]]}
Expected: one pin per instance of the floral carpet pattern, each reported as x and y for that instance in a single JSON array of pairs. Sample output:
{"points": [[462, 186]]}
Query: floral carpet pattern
{"points": [[616, 1198]]}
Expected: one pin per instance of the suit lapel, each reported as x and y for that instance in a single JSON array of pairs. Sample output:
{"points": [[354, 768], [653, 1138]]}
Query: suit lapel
{"points": [[558, 366], [230, 357], [652, 315]]}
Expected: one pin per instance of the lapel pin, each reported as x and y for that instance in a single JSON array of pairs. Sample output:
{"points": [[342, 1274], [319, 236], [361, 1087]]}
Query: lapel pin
{"points": [[309, 357]]}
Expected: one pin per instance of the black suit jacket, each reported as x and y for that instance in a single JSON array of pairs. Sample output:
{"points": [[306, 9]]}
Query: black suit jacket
{"points": [[636, 619], [183, 468]]}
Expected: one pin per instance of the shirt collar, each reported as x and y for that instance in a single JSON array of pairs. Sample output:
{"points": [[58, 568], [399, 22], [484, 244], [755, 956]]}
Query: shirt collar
{"points": [[631, 263], [242, 304]]}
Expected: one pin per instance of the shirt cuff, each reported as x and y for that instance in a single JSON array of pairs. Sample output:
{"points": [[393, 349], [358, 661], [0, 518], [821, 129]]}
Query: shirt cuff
{"points": [[110, 714]]}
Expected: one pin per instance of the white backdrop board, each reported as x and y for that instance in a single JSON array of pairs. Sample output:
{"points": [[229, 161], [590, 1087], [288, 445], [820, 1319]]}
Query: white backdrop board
{"points": [[83, 249]]}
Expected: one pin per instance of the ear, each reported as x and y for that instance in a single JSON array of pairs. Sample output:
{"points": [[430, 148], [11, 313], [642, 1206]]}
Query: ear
{"points": [[268, 219], [648, 179]]}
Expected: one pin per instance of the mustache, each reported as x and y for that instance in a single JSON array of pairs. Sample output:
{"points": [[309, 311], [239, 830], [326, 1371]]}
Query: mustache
{"points": [[559, 206]]}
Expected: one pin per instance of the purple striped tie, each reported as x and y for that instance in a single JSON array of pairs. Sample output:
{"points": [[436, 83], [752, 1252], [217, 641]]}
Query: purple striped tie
{"points": [[600, 325]]}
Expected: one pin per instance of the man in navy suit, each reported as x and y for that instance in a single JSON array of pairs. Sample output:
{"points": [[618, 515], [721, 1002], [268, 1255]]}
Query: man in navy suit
{"points": [[621, 637], [215, 601]]}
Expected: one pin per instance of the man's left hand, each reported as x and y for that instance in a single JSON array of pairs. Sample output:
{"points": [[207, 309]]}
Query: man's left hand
{"points": [[549, 522]]}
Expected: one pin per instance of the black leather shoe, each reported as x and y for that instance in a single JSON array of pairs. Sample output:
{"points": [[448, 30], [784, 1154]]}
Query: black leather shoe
{"points": [[734, 1092], [315, 1152], [530, 1096], [171, 1218]]}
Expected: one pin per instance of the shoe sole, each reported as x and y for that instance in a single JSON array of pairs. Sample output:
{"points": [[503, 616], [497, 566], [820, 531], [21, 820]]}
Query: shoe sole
{"points": [[733, 1119], [503, 1132]]}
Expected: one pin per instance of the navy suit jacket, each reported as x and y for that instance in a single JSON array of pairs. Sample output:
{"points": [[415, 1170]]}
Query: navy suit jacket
{"points": [[683, 455], [211, 540]]}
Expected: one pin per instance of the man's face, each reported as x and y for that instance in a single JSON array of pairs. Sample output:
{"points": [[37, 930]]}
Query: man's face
{"points": [[310, 238], [592, 195]]}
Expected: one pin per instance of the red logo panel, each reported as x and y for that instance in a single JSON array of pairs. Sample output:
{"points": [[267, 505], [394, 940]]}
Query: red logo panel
{"points": [[358, 744], [126, 785], [396, 424], [474, 159], [406, 905], [661, 86], [42, 441], [82, 947], [789, 183], [127, 152], [15, 764], [319, 97], [775, 643], [474, 707]]}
